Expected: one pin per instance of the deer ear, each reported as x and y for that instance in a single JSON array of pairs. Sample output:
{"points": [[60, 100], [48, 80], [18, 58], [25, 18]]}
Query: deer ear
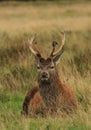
{"points": [[57, 57]]}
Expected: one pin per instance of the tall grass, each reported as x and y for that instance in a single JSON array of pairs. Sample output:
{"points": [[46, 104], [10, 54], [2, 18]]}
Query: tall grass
{"points": [[18, 22]]}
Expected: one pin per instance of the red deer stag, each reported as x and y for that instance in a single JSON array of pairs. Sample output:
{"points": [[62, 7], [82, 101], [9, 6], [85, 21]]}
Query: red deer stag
{"points": [[50, 96]]}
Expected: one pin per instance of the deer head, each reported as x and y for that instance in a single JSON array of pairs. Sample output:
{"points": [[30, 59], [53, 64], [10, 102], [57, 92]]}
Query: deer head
{"points": [[47, 67]]}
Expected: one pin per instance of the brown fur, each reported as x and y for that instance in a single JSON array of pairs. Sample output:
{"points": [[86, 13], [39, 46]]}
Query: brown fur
{"points": [[50, 99]]}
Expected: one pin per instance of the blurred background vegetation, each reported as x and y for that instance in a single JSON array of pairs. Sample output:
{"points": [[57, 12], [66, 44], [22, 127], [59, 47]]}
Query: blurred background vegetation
{"points": [[46, 0], [19, 21]]}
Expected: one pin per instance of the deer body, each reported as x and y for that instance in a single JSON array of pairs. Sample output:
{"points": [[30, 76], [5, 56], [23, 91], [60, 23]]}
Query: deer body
{"points": [[50, 96]]}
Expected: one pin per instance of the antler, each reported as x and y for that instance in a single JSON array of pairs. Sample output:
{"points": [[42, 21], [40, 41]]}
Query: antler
{"points": [[33, 50], [53, 45], [60, 50]]}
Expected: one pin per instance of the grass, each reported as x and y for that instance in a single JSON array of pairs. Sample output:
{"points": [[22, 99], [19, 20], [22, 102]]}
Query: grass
{"points": [[20, 21]]}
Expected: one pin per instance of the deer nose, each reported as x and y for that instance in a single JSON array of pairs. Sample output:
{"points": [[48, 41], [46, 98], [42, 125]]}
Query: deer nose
{"points": [[44, 75]]}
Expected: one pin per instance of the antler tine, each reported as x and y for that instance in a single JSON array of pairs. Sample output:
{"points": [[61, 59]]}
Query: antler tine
{"points": [[33, 50], [62, 45], [53, 45]]}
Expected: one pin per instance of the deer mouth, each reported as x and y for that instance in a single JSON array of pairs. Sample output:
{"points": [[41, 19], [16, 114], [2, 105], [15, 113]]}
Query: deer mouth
{"points": [[44, 78], [44, 82]]}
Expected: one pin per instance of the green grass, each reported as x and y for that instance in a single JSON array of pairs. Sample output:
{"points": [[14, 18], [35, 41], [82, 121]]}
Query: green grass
{"points": [[17, 65]]}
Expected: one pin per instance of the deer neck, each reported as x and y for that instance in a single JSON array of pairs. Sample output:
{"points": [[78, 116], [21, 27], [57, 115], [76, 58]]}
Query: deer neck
{"points": [[50, 91]]}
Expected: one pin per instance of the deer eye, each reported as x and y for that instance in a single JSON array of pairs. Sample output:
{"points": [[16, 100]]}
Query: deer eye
{"points": [[51, 67], [38, 67]]}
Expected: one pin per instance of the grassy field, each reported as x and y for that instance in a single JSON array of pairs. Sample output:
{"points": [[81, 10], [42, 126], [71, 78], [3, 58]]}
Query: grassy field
{"points": [[20, 21]]}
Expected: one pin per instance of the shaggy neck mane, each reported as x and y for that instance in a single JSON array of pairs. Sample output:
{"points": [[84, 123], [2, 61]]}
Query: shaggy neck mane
{"points": [[50, 91]]}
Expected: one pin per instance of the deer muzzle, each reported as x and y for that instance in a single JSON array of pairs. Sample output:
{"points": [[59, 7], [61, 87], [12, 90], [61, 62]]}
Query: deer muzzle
{"points": [[44, 76]]}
